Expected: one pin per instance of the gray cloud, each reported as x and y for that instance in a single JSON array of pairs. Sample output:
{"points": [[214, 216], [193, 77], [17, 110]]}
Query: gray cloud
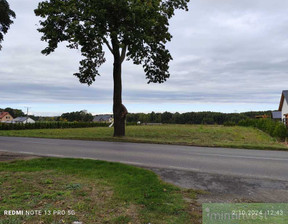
{"points": [[34, 93], [224, 52]]}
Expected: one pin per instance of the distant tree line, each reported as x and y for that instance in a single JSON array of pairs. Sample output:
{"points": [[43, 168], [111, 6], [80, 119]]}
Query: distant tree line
{"points": [[166, 117], [194, 117]]}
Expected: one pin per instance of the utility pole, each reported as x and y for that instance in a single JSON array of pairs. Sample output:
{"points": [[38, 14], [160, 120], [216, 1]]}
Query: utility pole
{"points": [[27, 113]]}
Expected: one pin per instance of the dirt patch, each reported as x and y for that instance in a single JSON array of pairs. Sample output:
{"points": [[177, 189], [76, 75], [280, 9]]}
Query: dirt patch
{"points": [[8, 156]]}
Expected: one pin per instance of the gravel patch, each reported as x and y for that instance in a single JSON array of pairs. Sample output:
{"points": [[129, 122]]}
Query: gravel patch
{"points": [[224, 188]]}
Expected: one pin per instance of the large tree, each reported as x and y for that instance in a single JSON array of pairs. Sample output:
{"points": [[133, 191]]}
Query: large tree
{"points": [[6, 16], [14, 112], [133, 29]]}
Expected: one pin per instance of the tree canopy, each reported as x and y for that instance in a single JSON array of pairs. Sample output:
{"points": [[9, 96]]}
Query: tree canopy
{"points": [[13, 112], [81, 116], [6, 15], [139, 27]]}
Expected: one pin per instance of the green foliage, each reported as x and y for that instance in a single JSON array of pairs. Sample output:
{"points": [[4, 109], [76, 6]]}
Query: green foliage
{"points": [[13, 112], [229, 123], [50, 125], [6, 15], [194, 117], [280, 131], [73, 186], [273, 128], [139, 28], [81, 116]]}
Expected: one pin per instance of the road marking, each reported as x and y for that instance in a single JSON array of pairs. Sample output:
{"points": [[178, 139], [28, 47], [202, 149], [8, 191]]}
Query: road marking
{"points": [[132, 163], [184, 168], [55, 155], [36, 142], [41, 154], [30, 153], [236, 156]]}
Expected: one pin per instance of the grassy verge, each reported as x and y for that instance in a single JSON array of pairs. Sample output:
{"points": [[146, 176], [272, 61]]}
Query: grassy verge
{"points": [[199, 135], [67, 190]]}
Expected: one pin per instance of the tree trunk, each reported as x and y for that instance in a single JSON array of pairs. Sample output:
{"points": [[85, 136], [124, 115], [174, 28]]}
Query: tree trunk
{"points": [[119, 110]]}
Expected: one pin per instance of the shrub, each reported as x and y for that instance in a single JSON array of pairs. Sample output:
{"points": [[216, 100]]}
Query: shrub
{"points": [[273, 128], [280, 131]]}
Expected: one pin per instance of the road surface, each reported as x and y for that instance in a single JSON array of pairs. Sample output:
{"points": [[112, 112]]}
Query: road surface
{"points": [[261, 164]]}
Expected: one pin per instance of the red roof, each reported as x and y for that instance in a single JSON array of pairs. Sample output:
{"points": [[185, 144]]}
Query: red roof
{"points": [[3, 114]]}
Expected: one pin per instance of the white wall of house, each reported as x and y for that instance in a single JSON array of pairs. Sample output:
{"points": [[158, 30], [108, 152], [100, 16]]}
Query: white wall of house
{"points": [[29, 120], [284, 109]]}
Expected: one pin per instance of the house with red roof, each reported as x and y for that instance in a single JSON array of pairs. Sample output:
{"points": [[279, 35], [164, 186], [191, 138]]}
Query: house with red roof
{"points": [[5, 117]]}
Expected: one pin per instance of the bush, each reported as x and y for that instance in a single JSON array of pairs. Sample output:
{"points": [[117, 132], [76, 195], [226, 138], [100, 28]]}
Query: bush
{"points": [[280, 131], [273, 128], [131, 123]]}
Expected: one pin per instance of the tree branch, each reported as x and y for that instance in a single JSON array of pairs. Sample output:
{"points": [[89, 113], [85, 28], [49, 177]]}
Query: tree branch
{"points": [[108, 45], [123, 53]]}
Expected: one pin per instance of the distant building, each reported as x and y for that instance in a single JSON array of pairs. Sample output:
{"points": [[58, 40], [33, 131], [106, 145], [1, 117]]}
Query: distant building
{"points": [[105, 118], [5, 117], [263, 116], [283, 106], [277, 115], [23, 120]]}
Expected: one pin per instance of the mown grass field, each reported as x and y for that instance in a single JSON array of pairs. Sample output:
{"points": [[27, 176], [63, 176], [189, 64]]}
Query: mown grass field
{"points": [[67, 190], [198, 135]]}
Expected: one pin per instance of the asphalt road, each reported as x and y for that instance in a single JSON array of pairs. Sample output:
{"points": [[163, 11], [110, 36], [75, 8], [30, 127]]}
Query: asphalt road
{"points": [[270, 165]]}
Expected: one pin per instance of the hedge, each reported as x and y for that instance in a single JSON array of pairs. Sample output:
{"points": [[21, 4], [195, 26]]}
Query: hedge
{"points": [[50, 125], [274, 128]]}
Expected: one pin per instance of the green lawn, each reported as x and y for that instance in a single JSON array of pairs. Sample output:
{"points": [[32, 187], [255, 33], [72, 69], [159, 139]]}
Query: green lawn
{"points": [[67, 190], [199, 135]]}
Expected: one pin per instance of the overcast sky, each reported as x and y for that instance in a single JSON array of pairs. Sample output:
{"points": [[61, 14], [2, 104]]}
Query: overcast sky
{"points": [[229, 56]]}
